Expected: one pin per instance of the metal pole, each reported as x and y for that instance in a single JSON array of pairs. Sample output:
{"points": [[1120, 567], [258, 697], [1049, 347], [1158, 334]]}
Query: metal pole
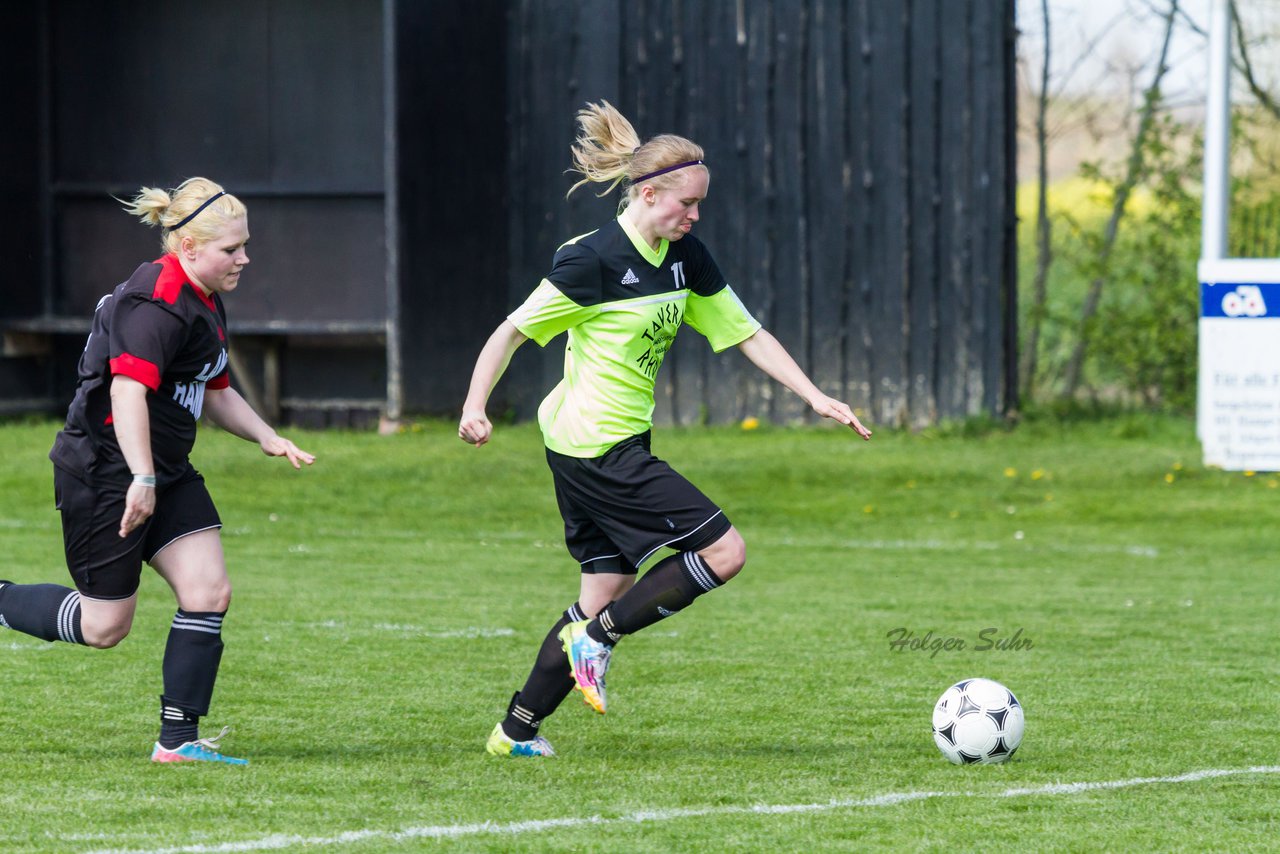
{"points": [[1217, 128], [391, 218]]}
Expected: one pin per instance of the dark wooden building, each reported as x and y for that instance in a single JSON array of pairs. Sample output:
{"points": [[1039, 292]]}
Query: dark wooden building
{"points": [[403, 162]]}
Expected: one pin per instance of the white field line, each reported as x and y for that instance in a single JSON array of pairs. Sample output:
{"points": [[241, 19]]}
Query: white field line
{"points": [[468, 633], [931, 545], [1027, 545], [522, 828], [28, 647]]}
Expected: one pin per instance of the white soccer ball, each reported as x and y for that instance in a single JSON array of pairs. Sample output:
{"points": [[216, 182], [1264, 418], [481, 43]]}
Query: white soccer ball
{"points": [[978, 720]]}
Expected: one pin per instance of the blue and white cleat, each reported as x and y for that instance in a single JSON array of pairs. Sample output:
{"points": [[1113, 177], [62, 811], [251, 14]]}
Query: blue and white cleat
{"points": [[589, 661], [501, 744], [200, 750]]}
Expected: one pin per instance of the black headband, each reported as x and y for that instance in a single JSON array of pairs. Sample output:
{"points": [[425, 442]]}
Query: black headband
{"points": [[196, 212], [658, 172]]}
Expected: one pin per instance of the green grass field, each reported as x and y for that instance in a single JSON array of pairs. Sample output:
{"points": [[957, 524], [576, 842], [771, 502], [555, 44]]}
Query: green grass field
{"points": [[389, 600]]}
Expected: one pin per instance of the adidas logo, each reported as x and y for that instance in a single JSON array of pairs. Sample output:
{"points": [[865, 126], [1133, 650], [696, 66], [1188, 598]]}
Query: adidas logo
{"points": [[664, 612], [630, 278], [4, 622]]}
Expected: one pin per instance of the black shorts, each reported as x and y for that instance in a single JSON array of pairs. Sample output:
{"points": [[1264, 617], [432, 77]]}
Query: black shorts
{"points": [[622, 507], [104, 566]]}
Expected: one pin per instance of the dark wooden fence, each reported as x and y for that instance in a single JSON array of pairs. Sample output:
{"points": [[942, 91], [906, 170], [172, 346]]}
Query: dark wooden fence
{"points": [[282, 102], [861, 200], [404, 165]]}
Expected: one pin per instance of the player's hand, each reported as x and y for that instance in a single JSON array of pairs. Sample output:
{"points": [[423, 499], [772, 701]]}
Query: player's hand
{"points": [[829, 407], [278, 446], [474, 428], [139, 504]]}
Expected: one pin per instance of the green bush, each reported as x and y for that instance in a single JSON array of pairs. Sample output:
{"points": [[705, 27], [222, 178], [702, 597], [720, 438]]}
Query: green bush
{"points": [[1144, 336], [1143, 339]]}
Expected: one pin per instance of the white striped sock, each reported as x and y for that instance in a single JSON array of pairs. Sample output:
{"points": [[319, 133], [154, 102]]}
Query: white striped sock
{"points": [[68, 621], [698, 571], [209, 623]]}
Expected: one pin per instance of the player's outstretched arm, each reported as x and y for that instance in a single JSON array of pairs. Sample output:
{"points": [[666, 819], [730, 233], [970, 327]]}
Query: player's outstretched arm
{"points": [[226, 408], [768, 354], [491, 364]]}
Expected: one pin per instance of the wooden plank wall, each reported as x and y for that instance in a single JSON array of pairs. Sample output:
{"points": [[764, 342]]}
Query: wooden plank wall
{"points": [[861, 194]]}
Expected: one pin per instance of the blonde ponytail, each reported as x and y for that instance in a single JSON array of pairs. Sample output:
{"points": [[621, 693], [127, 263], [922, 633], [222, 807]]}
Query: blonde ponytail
{"points": [[609, 151], [175, 211]]}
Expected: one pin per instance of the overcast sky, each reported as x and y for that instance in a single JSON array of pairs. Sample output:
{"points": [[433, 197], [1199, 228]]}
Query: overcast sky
{"points": [[1100, 45]]}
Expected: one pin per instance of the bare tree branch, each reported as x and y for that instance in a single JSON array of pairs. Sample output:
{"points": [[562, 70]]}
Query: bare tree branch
{"points": [[1246, 66], [1084, 56], [1133, 173]]}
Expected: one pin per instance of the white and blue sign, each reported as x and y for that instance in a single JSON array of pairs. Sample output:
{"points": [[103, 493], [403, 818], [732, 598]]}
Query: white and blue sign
{"points": [[1238, 399], [1232, 299]]}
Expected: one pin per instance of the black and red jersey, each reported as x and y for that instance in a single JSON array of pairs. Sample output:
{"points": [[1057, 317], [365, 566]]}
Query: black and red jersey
{"points": [[161, 330]]}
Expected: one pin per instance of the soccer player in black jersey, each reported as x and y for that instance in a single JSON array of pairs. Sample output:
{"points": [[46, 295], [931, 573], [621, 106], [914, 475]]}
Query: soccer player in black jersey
{"points": [[621, 293], [156, 359]]}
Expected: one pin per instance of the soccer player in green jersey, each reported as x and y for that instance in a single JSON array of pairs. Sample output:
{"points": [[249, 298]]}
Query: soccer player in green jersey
{"points": [[621, 293]]}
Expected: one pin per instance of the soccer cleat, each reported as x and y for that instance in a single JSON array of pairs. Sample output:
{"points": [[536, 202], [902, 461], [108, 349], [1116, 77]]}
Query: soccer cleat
{"points": [[589, 661], [200, 750], [500, 744]]}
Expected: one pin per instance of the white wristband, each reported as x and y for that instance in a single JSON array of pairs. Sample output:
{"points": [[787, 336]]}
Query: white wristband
{"points": [[145, 480]]}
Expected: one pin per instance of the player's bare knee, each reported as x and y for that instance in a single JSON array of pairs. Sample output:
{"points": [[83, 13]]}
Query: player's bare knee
{"points": [[219, 598], [727, 555], [104, 637], [214, 597], [106, 641]]}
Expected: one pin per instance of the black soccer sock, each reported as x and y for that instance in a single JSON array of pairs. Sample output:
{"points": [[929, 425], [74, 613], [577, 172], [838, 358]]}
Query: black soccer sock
{"points": [[177, 727], [47, 611], [191, 659], [667, 588], [549, 682]]}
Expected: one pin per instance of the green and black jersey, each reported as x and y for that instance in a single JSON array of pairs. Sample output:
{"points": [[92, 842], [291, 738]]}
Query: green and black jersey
{"points": [[622, 303]]}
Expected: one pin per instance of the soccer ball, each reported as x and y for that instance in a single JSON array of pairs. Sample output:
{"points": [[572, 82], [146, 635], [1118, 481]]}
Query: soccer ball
{"points": [[977, 720]]}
